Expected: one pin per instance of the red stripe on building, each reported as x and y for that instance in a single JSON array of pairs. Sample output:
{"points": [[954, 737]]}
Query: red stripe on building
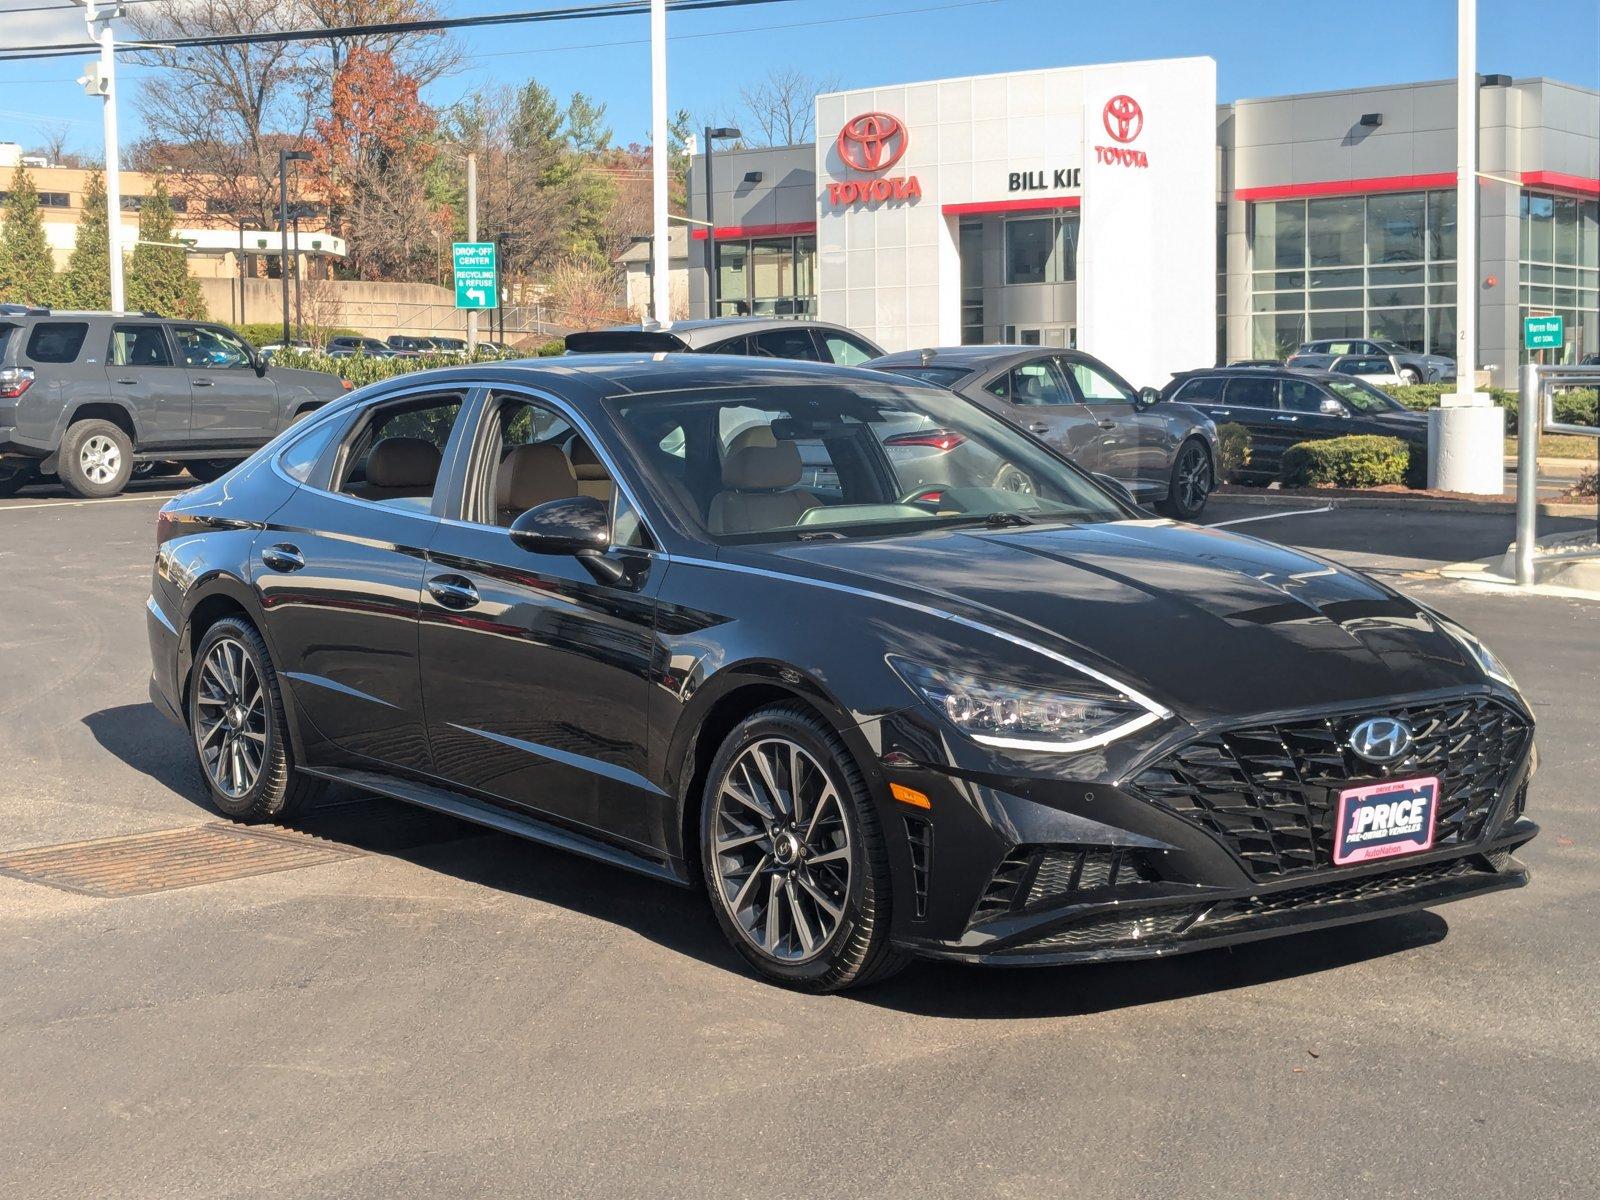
{"points": [[700, 232], [1036, 204], [1560, 182], [1347, 187]]}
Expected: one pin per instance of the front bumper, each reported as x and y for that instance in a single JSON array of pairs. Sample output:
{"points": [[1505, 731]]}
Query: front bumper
{"points": [[1158, 921]]}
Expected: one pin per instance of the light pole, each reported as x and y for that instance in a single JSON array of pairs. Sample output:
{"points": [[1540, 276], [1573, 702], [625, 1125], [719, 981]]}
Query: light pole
{"points": [[727, 133], [285, 157], [660, 298], [100, 80]]}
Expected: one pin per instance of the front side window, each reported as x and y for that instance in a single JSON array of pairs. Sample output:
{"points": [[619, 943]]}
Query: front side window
{"points": [[57, 341], [1301, 397], [394, 457], [1363, 397], [786, 343], [205, 346], [139, 346], [829, 460], [1097, 386]]}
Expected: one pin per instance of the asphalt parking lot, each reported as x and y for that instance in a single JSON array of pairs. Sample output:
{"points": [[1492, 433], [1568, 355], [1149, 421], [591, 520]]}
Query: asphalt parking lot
{"points": [[442, 1011]]}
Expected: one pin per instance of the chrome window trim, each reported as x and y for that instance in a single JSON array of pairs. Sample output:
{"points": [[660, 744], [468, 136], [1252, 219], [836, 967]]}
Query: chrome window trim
{"points": [[1153, 708]]}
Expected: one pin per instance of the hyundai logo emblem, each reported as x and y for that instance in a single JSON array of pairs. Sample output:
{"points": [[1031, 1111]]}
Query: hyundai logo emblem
{"points": [[1380, 739]]}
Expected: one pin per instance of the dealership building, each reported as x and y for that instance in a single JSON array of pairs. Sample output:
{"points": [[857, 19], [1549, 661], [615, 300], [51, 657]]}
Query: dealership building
{"points": [[1120, 209]]}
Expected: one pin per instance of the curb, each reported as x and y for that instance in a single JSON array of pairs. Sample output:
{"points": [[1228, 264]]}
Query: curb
{"points": [[1396, 503]]}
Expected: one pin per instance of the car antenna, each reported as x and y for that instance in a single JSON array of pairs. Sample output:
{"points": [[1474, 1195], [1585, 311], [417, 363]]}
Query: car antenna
{"points": [[927, 355]]}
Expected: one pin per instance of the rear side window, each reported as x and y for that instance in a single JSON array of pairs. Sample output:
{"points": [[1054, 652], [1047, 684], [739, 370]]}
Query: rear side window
{"points": [[395, 458], [1034, 383], [1200, 391], [301, 458], [57, 341], [786, 343], [139, 346], [1249, 392]]}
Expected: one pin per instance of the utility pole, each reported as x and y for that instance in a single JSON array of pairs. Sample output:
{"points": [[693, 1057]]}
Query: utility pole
{"points": [[661, 258], [472, 236], [99, 79], [285, 157]]}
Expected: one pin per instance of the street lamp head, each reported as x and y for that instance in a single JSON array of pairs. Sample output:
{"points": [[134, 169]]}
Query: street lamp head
{"points": [[724, 131], [295, 155]]}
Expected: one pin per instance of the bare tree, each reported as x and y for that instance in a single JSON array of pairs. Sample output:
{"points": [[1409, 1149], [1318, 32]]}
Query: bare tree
{"points": [[782, 108], [54, 137]]}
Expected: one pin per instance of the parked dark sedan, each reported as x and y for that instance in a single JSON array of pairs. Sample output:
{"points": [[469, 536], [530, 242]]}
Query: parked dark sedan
{"points": [[1283, 407], [1164, 454], [557, 598], [758, 337]]}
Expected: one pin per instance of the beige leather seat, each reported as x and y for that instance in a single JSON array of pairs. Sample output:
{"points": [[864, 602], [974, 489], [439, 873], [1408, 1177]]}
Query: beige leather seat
{"points": [[398, 468], [530, 475], [755, 479], [593, 478]]}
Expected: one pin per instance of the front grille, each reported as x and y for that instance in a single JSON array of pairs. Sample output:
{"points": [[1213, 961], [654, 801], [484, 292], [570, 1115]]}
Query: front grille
{"points": [[1115, 931], [1032, 875], [1343, 891], [1269, 792], [919, 838]]}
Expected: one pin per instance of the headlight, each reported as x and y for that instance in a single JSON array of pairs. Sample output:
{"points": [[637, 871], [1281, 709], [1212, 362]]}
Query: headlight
{"points": [[1480, 654], [1022, 718]]}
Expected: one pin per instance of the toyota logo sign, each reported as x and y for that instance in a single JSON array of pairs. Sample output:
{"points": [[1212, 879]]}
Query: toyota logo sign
{"points": [[1123, 118], [872, 142]]}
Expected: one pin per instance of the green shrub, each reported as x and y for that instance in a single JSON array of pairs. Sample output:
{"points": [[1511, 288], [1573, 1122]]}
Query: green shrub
{"points": [[1233, 445], [1359, 461], [1573, 407], [270, 333], [552, 348], [361, 370]]}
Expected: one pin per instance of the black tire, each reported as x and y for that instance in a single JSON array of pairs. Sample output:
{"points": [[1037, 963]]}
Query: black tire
{"points": [[207, 469], [1193, 479], [279, 789], [857, 951], [96, 459]]}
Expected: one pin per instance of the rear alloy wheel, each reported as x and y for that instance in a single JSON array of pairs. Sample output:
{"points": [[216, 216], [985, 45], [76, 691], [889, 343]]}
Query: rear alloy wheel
{"points": [[96, 459], [1192, 481], [793, 856], [1410, 375], [240, 734]]}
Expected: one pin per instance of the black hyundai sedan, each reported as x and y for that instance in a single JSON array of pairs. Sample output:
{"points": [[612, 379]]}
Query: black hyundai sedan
{"points": [[591, 602]]}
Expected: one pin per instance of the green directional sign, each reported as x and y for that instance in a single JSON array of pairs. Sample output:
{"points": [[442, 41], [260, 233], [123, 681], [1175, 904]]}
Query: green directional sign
{"points": [[1544, 333], [477, 275]]}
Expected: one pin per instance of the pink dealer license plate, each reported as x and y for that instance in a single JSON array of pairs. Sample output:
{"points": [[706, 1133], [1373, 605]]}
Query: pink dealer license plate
{"points": [[1385, 819]]}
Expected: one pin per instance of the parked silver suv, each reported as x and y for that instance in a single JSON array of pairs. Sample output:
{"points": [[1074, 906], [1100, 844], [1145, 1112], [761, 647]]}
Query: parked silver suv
{"points": [[88, 396]]}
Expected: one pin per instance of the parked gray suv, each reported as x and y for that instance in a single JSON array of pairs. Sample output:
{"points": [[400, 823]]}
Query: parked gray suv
{"points": [[90, 396]]}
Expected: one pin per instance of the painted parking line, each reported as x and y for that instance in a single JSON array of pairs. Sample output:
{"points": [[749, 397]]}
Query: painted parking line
{"points": [[29, 506], [1299, 512]]}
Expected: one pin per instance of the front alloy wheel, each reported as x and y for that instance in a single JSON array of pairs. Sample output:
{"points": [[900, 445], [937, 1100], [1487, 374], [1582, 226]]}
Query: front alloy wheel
{"points": [[793, 854]]}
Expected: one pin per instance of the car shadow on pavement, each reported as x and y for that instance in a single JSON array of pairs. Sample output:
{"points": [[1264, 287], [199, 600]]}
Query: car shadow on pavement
{"points": [[681, 920]]}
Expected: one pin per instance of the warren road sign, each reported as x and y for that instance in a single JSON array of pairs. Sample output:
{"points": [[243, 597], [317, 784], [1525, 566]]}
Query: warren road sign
{"points": [[477, 276], [1544, 333]]}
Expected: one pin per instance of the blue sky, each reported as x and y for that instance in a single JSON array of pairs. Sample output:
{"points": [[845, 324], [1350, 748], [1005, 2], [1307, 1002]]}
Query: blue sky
{"points": [[1262, 48]]}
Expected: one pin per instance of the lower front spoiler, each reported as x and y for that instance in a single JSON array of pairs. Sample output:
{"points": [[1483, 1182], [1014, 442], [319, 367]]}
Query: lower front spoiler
{"points": [[1160, 929]]}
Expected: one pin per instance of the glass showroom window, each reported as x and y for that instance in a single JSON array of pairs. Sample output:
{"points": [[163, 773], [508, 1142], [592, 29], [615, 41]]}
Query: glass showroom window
{"points": [[1042, 250], [1354, 266], [767, 277], [1561, 269], [971, 246]]}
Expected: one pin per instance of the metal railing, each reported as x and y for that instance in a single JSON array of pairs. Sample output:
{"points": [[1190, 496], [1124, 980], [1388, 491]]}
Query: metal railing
{"points": [[1536, 413]]}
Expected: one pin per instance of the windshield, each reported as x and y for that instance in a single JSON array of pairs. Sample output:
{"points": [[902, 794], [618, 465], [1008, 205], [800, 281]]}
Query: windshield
{"points": [[1363, 397], [829, 460]]}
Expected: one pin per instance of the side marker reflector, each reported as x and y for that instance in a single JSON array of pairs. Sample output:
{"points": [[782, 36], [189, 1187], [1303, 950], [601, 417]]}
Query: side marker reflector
{"points": [[909, 796]]}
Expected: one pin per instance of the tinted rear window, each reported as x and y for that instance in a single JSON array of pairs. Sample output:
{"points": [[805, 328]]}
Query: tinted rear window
{"points": [[57, 341], [943, 376], [622, 341]]}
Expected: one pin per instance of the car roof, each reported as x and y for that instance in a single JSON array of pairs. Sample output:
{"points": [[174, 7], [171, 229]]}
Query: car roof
{"points": [[1313, 373], [705, 331], [974, 358]]}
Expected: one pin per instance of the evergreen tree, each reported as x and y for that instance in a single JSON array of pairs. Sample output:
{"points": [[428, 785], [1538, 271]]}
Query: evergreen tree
{"points": [[587, 131], [87, 283], [27, 267], [158, 275]]}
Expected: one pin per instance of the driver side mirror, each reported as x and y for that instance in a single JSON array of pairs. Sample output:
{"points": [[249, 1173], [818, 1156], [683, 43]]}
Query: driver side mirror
{"points": [[579, 526], [1333, 408], [1148, 396]]}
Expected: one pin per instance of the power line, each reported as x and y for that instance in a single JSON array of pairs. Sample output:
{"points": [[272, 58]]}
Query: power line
{"points": [[610, 8]]}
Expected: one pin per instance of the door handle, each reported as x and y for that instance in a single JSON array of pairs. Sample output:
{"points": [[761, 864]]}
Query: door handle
{"points": [[202, 382], [283, 557], [1288, 420], [453, 591], [1222, 412], [128, 381], [1038, 427], [1106, 424]]}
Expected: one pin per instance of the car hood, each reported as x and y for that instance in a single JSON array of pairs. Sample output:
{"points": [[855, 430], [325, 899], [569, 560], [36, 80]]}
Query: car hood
{"points": [[1211, 624], [1405, 424]]}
